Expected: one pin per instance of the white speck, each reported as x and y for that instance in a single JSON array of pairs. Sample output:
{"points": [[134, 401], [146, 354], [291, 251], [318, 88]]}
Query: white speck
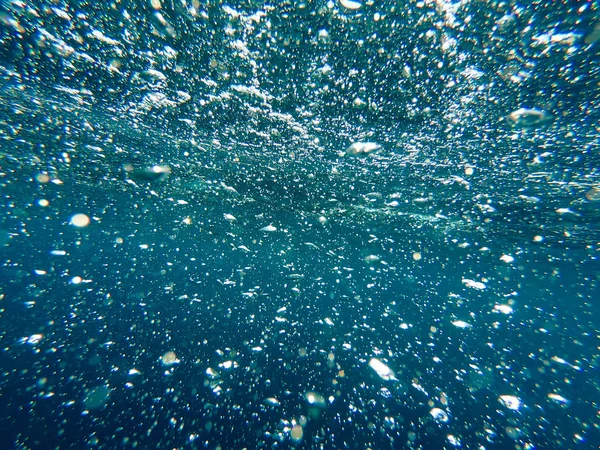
{"points": [[228, 188], [34, 339], [439, 415], [257, 349], [269, 228], [282, 309], [420, 388], [507, 258], [315, 399], [133, 372], [350, 4], [58, 252], [155, 74], [169, 358], [529, 199], [229, 217], [272, 401], [359, 103], [510, 401], [382, 370], [363, 148], [486, 208], [80, 220], [370, 259], [454, 441], [62, 14], [567, 211], [227, 364], [504, 309], [40, 272], [473, 284], [421, 200], [328, 321], [558, 398], [559, 360], [528, 118], [102, 37], [461, 324]]}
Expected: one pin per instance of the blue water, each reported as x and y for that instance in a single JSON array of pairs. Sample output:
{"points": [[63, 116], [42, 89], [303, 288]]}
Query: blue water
{"points": [[194, 255]]}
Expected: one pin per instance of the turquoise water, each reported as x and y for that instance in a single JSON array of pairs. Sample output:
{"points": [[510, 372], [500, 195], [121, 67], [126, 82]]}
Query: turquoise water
{"points": [[299, 224]]}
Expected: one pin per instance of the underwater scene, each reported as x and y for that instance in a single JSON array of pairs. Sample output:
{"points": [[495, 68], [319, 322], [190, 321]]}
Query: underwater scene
{"points": [[299, 224]]}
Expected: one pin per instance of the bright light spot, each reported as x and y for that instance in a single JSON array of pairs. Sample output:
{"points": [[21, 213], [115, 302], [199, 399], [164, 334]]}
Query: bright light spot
{"points": [[226, 365], [504, 309], [558, 398], [315, 400], [439, 415], [510, 401], [80, 220], [350, 4], [297, 432], [371, 259], [473, 284], [382, 370], [34, 339], [169, 358]]}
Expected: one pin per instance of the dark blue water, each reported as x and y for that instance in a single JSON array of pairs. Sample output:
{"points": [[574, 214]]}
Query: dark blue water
{"points": [[242, 278]]}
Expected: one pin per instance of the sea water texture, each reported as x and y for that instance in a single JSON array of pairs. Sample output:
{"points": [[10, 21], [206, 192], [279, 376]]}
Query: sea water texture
{"points": [[299, 224]]}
